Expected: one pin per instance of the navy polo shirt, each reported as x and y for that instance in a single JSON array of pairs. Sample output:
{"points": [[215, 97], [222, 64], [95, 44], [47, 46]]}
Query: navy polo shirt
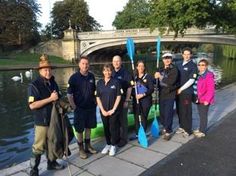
{"points": [[186, 72], [83, 90], [108, 93], [124, 78], [40, 89]]}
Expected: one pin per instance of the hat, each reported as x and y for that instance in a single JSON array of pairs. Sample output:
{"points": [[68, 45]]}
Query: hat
{"points": [[44, 62], [167, 55]]}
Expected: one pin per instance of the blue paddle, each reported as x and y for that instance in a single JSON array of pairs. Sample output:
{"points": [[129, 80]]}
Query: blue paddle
{"points": [[142, 138], [155, 131]]}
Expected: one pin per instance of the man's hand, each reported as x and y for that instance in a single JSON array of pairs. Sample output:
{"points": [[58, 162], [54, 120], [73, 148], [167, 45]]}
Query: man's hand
{"points": [[179, 91], [54, 96]]}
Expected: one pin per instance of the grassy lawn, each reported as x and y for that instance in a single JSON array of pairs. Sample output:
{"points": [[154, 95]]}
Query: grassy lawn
{"points": [[27, 59]]}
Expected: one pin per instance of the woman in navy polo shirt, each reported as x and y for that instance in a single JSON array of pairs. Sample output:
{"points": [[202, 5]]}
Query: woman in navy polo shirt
{"points": [[108, 99], [145, 88]]}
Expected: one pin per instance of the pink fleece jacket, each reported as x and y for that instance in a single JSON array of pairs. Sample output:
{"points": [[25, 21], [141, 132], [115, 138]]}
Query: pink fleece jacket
{"points": [[206, 88]]}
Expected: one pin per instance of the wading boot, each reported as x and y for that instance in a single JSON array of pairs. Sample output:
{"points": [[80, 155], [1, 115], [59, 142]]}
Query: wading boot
{"points": [[34, 163], [82, 153], [54, 165], [88, 147]]}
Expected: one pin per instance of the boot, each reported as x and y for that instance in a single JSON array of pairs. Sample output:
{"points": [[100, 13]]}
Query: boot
{"points": [[82, 153], [54, 165], [88, 147], [34, 163]]}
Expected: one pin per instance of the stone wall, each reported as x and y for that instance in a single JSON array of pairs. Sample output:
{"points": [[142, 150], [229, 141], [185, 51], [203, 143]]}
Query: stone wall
{"points": [[52, 47]]}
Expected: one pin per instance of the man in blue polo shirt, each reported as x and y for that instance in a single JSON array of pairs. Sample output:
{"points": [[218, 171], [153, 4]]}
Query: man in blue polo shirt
{"points": [[81, 95], [187, 75], [124, 78]]}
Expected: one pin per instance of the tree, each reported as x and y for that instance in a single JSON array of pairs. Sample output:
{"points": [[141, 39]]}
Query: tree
{"points": [[74, 10], [225, 11], [179, 15], [134, 15], [18, 19]]}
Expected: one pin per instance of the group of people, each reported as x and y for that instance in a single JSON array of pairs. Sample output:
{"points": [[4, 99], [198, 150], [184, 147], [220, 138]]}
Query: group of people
{"points": [[182, 83]]}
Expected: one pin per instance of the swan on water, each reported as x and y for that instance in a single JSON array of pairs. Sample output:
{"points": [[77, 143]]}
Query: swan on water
{"points": [[29, 74], [18, 78]]}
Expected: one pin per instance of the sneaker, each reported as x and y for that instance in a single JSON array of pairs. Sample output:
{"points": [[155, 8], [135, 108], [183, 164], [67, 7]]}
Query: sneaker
{"points": [[179, 131], [133, 138], [199, 135], [106, 149], [195, 131], [185, 134], [166, 136], [112, 151], [163, 132]]}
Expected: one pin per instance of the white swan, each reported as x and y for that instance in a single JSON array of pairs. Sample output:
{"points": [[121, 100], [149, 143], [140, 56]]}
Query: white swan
{"points": [[29, 74], [18, 78]]}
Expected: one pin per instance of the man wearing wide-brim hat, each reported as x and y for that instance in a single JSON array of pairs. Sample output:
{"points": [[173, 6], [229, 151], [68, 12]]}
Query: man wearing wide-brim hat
{"points": [[42, 92], [167, 76]]}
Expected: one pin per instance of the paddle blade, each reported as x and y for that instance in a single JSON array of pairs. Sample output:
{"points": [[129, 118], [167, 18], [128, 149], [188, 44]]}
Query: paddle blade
{"points": [[130, 48], [158, 50], [142, 138], [155, 131]]}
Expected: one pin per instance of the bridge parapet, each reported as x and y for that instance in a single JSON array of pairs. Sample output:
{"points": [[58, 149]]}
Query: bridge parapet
{"points": [[135, 33]]}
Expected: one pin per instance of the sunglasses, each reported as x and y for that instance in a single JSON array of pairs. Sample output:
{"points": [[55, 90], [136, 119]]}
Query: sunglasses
{"points": [[201, 64]]}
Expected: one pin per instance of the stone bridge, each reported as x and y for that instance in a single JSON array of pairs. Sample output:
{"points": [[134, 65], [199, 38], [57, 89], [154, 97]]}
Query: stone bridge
{"points": [[84, 43]]}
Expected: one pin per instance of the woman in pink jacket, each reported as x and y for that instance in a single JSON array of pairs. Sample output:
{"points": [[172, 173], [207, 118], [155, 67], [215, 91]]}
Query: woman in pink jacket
{"points": [[205, 95]]}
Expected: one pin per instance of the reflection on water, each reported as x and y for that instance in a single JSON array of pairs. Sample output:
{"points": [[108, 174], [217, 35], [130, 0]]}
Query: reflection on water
{"points": [[16, 132]]}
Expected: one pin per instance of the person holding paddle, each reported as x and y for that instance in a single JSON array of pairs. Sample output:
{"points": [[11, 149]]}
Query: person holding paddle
{"points": [[167, 76], [108, 95], [42, 92], [145, 88]]}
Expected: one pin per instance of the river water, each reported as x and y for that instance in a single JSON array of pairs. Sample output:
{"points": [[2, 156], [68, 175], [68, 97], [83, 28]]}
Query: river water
{"points": [[16, 132]]}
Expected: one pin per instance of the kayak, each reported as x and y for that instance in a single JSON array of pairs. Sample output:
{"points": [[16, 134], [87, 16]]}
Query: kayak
{"points": [[98, 131]]}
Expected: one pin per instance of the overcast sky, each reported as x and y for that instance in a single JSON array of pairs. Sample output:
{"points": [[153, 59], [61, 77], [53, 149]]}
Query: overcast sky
{"points": [[103, 11]]}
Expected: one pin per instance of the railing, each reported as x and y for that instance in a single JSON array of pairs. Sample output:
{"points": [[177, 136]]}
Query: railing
{"points": [[135, 32]]}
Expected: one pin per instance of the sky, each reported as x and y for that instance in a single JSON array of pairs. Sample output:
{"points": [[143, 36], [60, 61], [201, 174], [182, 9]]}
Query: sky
{"points": [[103, 11]]}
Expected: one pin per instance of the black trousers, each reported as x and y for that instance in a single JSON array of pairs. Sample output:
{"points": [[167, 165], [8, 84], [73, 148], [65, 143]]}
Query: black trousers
{"points": [[143, 110], [184, 111], [123, 124], [166, 113], [203, 112], [111, 128]]}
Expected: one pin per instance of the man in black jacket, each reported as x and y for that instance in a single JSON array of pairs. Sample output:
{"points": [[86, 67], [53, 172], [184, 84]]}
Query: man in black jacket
{"points": [[42, 93], [167, 76]]}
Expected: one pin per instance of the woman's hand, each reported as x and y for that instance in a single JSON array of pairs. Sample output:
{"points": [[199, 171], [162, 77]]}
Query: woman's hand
{"points": [[157, 75], [110, 112], [139, 96], [105, 113], [206, 103]]}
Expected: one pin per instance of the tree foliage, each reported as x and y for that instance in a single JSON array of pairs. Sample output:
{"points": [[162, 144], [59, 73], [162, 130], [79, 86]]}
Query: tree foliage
{"points": [[224, 15], [18, 19], [74, 10], [134, 15], [179, 15]]}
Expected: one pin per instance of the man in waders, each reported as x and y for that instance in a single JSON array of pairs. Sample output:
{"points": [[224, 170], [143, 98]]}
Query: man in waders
{"points": [[81, 96], [42, 92]]}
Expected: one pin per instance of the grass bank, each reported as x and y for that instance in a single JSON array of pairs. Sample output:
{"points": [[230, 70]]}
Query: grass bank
{"points": [[27, 60]]}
